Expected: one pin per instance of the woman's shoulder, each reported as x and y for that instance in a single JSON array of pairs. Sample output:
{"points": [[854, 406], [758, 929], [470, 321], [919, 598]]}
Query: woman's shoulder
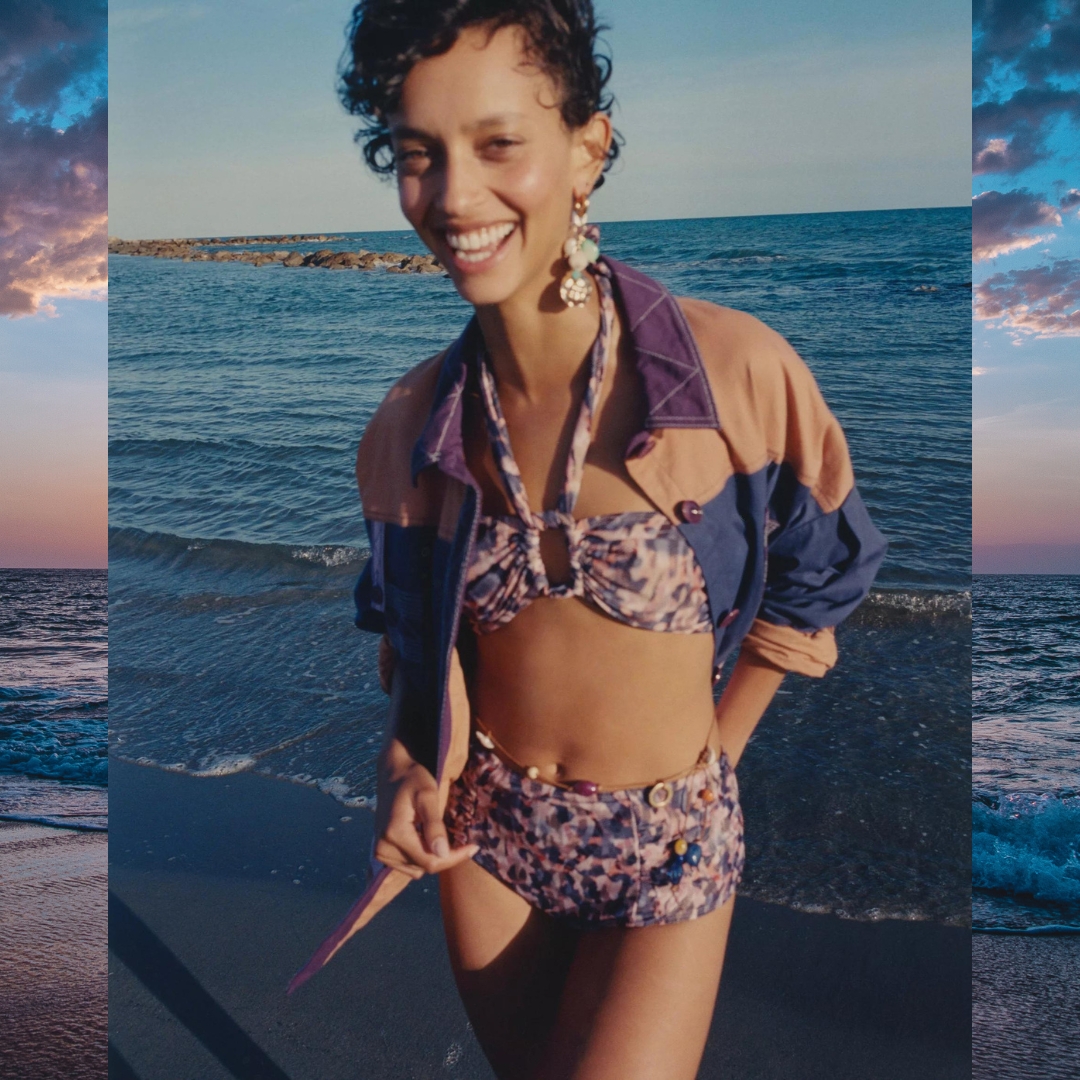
{"points": [[768, 401], [384, 456], [739, 350]]}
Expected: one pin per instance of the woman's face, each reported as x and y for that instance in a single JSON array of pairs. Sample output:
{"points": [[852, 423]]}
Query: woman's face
{"points": [[487, 170]]}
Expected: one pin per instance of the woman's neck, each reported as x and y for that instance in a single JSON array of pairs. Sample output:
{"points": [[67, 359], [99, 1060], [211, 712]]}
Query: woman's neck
{"points": [[537, 346]]}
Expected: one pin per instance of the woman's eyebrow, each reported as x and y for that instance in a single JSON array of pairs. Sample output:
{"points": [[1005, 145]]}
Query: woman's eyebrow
{"points": [[403, 131]]}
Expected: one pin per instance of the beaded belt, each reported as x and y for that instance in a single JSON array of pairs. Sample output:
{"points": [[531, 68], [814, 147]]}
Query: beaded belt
{"points": [[658, 791]]}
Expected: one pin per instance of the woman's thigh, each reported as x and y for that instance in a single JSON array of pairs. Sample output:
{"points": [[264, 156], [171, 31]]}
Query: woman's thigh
{"points": [[637, 1003], [510, 963]]}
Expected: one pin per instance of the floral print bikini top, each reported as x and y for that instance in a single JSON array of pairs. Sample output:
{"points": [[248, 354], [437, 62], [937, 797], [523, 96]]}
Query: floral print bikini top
{"points": [[636, 566]]}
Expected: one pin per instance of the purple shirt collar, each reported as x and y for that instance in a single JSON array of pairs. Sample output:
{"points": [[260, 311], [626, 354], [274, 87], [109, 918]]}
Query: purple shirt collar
{"points": [[677, 393]]}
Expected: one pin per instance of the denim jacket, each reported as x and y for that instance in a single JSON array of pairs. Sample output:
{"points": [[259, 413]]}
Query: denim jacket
{"points": [[738, 449]]}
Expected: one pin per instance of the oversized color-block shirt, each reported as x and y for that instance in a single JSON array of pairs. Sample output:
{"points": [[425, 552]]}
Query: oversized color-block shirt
{"points": [[737, 448]]}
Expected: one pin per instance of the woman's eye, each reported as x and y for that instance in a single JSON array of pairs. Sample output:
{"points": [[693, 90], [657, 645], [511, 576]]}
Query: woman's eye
{"points": [[501, 144], [412, 157]]}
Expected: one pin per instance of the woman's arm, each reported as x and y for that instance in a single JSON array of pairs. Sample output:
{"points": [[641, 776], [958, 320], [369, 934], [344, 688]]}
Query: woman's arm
{"points": [[747, 695], [409, 828]]}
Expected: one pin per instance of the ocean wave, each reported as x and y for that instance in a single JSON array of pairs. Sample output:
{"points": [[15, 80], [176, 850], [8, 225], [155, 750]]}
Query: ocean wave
{"points": [[1052, 929], [888, 607], [27, 693], [168, 549], [741, 254], [56, 822], [1026, 846]]}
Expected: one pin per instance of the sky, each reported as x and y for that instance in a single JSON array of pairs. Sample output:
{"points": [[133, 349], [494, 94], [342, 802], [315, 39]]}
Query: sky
{"points": [[1026, 286], [53, 266], [225, 119]]}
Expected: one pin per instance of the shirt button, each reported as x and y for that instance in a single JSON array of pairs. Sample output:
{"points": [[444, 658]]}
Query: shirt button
{"points": [[690, 512]]}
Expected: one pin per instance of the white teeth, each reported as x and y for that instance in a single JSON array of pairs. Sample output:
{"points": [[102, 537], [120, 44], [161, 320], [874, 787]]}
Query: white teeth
{"points": [[480, 242]]}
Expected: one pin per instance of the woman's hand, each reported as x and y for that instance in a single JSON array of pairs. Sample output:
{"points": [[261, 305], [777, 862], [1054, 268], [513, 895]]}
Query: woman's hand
{"points": [[410, 830]]}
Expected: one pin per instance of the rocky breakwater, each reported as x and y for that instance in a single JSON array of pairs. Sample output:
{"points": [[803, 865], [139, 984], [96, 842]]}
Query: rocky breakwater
{"points": [[393, 262]]}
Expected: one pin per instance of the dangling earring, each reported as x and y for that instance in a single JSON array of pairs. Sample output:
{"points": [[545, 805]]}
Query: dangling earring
{"points": [[580, 250]]}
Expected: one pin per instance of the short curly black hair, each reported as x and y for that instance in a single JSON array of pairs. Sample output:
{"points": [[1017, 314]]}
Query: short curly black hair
{"points": [[386, 37]]}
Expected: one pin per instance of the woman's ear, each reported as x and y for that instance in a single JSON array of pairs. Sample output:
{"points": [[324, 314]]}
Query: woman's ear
{"points": [[593, 140]]}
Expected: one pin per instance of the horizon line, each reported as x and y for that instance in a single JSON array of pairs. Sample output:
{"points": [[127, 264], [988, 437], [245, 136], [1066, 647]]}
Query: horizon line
{"points": [[599, 221]]}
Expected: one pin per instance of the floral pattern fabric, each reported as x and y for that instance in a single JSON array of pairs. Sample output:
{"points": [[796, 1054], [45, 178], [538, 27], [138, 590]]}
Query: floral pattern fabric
{"points": [[635, 566], [601, 859]]}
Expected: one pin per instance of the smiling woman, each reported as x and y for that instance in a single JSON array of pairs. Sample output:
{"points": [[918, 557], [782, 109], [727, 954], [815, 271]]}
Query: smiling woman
{"points": [[568, 540]]}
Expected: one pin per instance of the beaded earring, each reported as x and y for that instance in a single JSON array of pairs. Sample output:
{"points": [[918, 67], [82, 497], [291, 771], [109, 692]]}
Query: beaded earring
{"points": [[581, 249]]}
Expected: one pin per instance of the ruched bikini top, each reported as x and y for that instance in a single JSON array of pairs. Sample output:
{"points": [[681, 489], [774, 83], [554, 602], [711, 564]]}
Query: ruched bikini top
{"points": [[635, 566]]}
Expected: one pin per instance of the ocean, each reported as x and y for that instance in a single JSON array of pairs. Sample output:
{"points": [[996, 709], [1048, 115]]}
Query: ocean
{"points": [[1026, 744], [238, 395], [54, 697]]}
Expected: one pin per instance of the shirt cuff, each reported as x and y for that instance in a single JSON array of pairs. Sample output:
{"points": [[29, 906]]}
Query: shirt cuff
{"points": [[793, 650]]}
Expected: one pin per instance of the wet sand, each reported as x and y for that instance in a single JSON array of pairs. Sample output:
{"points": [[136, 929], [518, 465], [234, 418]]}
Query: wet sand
{"points": [[221, 888], [1026, 1007], [53, 986]]}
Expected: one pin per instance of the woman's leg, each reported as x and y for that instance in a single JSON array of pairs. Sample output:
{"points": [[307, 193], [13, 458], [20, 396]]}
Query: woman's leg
{"points": [[510, 963], [548, 1003], [638, 1002]]}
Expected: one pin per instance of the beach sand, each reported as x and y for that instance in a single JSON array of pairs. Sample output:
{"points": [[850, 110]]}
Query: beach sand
{"points": [[53, 986], [1026, 1007], [221, 888]]}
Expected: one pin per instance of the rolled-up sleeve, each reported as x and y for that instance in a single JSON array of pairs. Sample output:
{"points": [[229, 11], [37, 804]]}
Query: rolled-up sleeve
{"points": [[822, 549]]}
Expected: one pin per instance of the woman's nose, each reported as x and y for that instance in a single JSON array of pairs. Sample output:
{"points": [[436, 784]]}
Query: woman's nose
{"points": [[460, 187]]}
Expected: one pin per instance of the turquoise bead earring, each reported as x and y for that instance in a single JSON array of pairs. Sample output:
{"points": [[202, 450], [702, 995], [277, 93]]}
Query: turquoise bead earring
{"points": [[580, 251]]}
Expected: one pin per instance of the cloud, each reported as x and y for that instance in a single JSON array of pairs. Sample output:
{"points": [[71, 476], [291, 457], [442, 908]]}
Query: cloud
{"points": [[1070, 199], [976, 371], [53, 153], [1043, 300], [1025, 62], [1000, 220]]}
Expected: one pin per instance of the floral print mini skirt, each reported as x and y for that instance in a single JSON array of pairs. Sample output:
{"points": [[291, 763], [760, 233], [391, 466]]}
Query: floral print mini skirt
{"points": [[610, 858]]}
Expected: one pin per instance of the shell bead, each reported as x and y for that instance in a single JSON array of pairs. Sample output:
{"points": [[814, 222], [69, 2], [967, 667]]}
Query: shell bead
{"points": [[590, 249], [659, 795], [485, 740], [585, 787], [570, 246], [680, 847], [575, 289], [578, 260], [693, 854], [708, 795], [675, 873], [532, 772]]}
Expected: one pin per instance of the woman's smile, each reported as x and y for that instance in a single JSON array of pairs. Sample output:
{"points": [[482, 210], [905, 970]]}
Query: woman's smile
{"points": [[475, 249]]}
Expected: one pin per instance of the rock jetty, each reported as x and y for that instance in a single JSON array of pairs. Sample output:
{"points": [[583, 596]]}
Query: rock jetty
{"points": [[205, 250]]}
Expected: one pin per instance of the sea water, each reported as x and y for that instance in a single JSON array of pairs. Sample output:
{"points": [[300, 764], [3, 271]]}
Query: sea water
{"points": [[54, 697], [1026, 743], [238, 396]]}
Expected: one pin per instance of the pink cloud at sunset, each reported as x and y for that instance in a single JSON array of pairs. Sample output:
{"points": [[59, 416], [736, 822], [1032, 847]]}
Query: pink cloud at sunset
{"points": [[53, 154], [1000, 220], [1041, 300], [53, 274]]}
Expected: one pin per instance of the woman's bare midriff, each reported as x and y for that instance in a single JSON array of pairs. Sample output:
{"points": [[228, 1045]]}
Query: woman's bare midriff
{"points": [[584, 697]]}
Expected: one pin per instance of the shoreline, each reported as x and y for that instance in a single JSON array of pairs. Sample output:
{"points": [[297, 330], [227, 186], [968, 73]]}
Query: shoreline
{"points": [[53, 963], [198, 250], [226, 885]]}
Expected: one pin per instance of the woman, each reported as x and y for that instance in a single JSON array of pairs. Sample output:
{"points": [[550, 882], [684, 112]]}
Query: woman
{"points": [[576, 513]]}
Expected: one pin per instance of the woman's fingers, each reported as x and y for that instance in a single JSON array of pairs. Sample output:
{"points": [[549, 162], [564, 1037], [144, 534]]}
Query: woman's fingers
{"points": [[431, 852], [430, 824]]}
